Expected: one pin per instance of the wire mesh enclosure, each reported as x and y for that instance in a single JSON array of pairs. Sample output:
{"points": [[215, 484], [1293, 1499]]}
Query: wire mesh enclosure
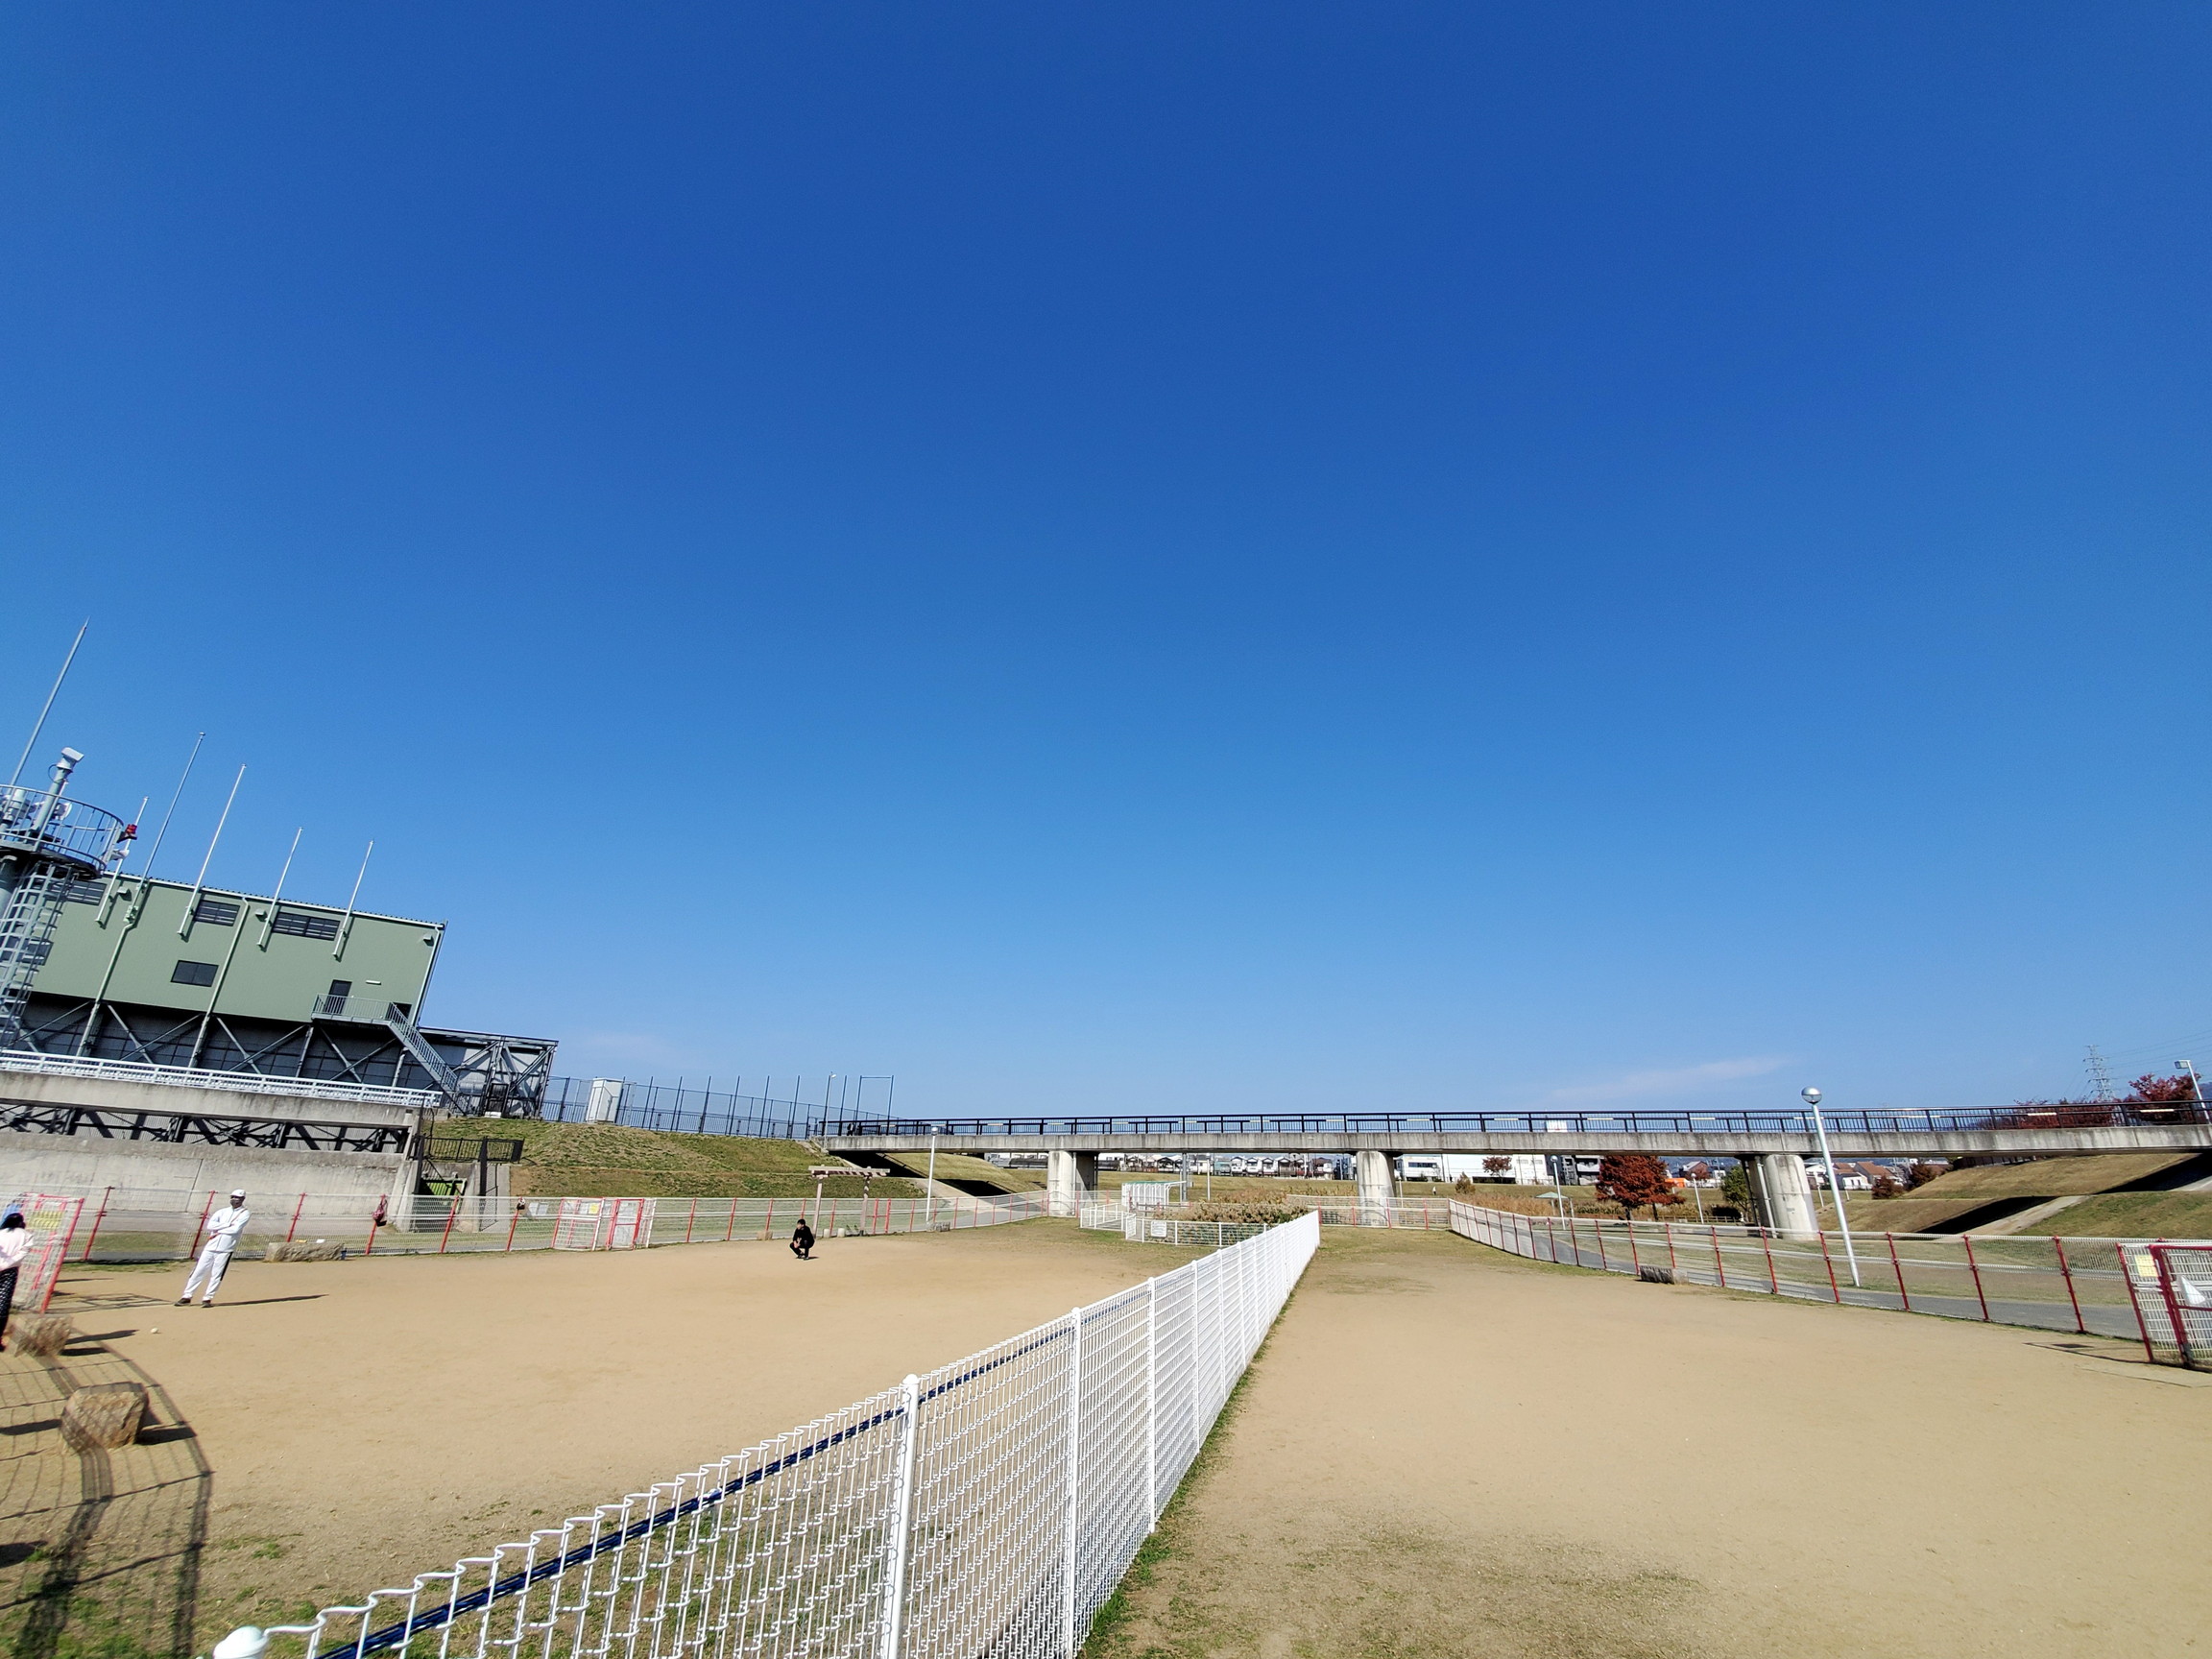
{"points": [[2099, 1287], [985, 1510], [52, 1221], [136, 1224]]}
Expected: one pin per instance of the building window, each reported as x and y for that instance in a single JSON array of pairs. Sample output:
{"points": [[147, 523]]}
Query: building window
{"points": [[193, 974], [304, 923], [216, 913], [340, 989]]}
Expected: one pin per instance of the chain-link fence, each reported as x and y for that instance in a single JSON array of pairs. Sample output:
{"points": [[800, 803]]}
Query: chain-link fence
{"points": [[2101, 1287], [989, 1507], [133, 1224]]}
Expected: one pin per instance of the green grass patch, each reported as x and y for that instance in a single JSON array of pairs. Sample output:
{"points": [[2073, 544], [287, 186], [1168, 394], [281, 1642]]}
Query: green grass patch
{"points": [[2133, 1215]]}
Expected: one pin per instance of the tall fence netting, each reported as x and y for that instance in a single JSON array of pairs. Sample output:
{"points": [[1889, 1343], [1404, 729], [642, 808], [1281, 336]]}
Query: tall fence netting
{"points": [[2092, 1287], [984, 1510]]}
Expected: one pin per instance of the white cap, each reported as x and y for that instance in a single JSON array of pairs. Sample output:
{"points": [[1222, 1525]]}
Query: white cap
{"points": [[237, 1191], [247, 1641]]}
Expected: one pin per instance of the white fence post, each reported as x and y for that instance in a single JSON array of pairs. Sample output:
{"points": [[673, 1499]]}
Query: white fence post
{"points": [[1074, 1470], [901, 1521]]}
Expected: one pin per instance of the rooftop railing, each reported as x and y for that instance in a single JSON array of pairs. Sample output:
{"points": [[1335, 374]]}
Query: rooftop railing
{"points": [[25, 1060], [59, 827]]}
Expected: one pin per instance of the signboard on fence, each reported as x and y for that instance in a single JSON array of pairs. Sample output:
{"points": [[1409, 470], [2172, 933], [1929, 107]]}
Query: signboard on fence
{"points": [[604, 1224], [52, 1223], [2185, 1289]]}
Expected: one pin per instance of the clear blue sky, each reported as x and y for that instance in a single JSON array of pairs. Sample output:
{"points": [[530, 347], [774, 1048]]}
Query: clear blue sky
{"points": [[1152, 556]]}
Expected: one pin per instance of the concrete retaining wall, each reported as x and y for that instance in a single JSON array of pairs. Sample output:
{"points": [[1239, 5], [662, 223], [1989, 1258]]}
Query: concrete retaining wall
{"points": [[81, 1163]]}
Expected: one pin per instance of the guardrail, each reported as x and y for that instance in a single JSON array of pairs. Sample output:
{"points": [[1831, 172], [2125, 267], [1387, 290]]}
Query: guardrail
{"points": [[986, 1507], [31, 1060]]}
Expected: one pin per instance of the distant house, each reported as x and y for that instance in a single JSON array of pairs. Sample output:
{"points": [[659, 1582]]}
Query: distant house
{"points": [[1526, 1169]]}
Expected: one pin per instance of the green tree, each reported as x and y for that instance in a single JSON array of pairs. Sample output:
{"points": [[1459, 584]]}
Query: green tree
{"points": [[1735, 1187]]}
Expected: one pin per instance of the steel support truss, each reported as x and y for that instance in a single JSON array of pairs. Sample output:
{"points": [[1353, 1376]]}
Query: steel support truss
{"points": [[200, 1129]]}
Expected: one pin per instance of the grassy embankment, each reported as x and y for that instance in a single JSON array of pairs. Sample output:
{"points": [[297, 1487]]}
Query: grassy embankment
{"points": [[1946, 1203], [593, 1159]]}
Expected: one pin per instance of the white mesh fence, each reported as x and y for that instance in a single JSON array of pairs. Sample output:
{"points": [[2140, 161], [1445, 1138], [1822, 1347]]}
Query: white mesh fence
{"points": [[986, 1510]]}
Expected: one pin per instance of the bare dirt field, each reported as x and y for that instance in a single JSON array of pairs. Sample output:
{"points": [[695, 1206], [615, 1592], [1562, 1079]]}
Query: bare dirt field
{"points": [[361, 1421], [1444, 1451]]}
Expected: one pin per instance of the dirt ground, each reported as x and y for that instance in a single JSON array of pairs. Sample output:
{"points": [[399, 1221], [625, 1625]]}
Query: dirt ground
{"points": [[361, 1421], [1444, 1451]]}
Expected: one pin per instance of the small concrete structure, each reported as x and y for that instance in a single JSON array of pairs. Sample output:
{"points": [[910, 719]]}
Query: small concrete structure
{"points": [[1372, 1170], [1783, 1194], [1070, 1182]]}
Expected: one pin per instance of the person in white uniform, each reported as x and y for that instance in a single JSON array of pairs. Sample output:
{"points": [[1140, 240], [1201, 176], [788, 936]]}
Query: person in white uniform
{"points": [[224, 1228]]}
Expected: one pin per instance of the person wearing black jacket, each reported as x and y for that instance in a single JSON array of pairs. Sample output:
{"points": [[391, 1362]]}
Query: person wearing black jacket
{"points": [[803, 1240]]}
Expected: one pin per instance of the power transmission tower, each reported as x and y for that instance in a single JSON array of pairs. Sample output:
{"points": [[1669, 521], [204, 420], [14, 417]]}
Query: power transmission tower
{"points": [[2100, 1077]]}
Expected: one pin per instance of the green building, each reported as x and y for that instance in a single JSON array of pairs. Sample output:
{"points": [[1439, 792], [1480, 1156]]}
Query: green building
{"points": [[174, 975]]}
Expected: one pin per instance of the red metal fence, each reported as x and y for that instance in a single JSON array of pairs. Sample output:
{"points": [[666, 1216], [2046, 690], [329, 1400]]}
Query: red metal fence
{"points": [[2157, 1293]]}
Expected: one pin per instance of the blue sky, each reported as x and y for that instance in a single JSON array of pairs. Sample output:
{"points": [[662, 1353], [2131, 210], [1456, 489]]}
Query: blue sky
{"points": [[1154, 556]]}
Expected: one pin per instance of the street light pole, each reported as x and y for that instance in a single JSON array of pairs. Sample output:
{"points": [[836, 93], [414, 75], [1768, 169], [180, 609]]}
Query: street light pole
{"points": [[1812, 1099], [930, 1184]]}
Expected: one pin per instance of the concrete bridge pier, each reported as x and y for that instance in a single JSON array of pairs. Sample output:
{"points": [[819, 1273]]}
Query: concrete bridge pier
{"points": [[1783, 1195], [1071, 1181], [1372, 1170]]}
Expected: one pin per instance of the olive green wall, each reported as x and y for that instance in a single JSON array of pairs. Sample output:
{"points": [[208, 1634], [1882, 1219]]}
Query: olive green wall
{"points": [[270, 976]]}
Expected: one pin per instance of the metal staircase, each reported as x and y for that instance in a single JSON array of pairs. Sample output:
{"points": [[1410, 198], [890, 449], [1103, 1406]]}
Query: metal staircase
{"points": [[27, 924], [418, 1047]]}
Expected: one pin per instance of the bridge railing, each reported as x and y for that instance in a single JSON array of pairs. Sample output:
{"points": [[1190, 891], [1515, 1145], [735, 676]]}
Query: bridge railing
{"points": [[1939, 1120], [2092, 1287]]}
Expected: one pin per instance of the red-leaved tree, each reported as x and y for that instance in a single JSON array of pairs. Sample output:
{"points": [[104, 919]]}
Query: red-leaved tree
{"points": [[2150, 1087], [1631, 1179]]}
